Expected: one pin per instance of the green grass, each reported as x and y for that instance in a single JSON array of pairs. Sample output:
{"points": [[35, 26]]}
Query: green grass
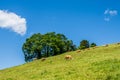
{"points": [[101, 63]]}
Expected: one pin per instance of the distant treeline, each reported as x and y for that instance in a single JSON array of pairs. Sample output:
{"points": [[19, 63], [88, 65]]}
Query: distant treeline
{"points": [[50, 44]]}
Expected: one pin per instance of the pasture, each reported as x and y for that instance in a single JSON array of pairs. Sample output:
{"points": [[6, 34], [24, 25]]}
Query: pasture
{"points": [[99, 63]]}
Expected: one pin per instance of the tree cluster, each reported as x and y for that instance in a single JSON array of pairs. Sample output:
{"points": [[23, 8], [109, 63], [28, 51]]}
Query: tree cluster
{"points": [[45, 45], [85, 44]]}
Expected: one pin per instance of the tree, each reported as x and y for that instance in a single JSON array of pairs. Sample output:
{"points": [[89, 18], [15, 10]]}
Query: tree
{"points": [[93, 45], [70, 46], [49, 44], [32, 47], [84, 44]]}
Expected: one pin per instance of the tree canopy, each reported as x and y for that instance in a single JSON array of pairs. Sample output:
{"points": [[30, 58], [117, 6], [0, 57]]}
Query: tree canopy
{"points": [[45, 45], [93, 45], [84, 44]]}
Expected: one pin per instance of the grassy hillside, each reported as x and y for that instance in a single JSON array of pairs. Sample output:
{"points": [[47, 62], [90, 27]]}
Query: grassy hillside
{"points": [[101, 63]]}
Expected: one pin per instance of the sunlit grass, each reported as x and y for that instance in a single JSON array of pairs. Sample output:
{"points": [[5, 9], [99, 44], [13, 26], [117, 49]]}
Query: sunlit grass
{"points": [[101, 63]]}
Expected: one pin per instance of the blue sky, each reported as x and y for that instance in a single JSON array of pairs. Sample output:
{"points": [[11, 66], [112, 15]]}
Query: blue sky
{"points": [[94, 20]]}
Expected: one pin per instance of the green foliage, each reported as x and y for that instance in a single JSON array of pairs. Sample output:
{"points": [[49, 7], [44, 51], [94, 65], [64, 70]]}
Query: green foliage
{"points": [[84, 44], [93, 45], [49, 44]]}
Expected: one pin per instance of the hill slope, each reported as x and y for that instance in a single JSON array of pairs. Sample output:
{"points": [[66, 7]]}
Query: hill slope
{"points": [[101, 63]]}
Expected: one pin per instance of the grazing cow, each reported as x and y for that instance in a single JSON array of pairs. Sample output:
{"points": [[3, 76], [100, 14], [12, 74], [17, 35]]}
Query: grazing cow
{"points": [[118, 43], [43, 59], [88, 48], [105, 45], [69, 51], [68, 57], [78, 51]]}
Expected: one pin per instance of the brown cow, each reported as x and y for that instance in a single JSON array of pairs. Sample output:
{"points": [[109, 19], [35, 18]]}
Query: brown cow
{"points": [[106, 45], [78, 51], [88, 48], [43, 59], [118, 43], [68, 57]]}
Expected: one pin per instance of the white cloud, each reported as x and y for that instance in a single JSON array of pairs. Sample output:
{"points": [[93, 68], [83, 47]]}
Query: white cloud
{"points": [[111, 12], [106, 11], [12, 21]]}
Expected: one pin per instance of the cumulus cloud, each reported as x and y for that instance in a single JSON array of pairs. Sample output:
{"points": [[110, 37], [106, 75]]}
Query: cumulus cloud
{"points": [[106, 11], [12, 21], [109, 14]]}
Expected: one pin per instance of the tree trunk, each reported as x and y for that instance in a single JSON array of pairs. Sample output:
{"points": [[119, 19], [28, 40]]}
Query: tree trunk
{"points": [[39, 55]]}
